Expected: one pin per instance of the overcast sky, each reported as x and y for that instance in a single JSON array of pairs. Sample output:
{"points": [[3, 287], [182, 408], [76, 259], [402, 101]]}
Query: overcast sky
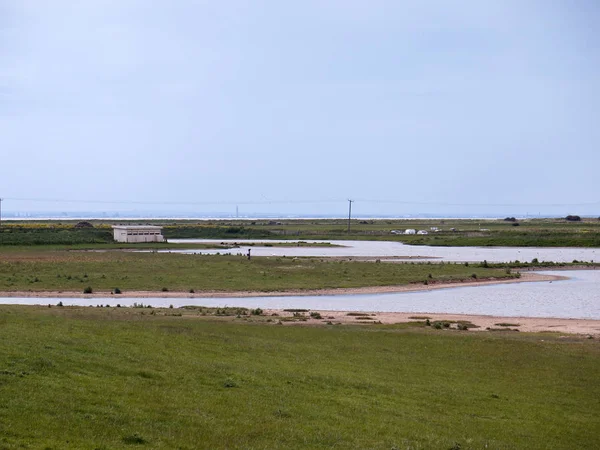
{"points": [[452, 102]]}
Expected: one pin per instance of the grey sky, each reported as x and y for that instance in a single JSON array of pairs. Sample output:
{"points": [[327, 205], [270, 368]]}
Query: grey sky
{"points": [[459, 102]]}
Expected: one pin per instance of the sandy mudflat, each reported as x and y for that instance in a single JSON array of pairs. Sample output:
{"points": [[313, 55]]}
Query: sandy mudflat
{"points": [[527, 324], [525, 277]]}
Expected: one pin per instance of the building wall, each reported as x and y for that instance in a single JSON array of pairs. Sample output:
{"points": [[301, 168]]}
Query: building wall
{"points": [[137, 236], [120, 235]]}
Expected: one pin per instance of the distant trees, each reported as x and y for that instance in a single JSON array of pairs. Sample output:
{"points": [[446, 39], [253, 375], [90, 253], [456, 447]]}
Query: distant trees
{"points": [[84, 224], [573, 218], [510, 219]]}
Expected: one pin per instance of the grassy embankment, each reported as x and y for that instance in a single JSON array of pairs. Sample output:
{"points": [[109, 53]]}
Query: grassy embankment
{"points": [[73, 378], [44, 270], [532, 232]]}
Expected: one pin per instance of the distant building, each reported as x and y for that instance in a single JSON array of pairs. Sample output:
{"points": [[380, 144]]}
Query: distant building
{"points": [[410, 231], [138, 233]]}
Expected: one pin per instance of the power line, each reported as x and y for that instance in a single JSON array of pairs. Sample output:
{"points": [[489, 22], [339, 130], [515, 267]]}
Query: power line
{"points": [[410, 202], [265, 201], [175, 203]]}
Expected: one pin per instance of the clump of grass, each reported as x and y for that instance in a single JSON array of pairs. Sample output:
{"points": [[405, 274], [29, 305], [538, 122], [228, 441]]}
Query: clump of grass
{"points": [[315, 315], [88, 290], [164, 289], [256, 312], [117, 291], [134, 439], [229, 383]]}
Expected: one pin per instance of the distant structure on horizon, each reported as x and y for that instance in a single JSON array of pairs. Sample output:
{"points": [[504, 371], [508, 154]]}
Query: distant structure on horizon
{"points": [[138, 233]]}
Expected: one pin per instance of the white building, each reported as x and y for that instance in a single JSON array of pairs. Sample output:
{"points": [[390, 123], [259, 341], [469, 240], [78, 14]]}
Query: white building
{"points": [[410, 231], [138, 233]]}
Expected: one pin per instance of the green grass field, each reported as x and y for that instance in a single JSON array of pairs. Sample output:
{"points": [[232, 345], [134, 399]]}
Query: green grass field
{"points": [[99, 378], [55, 270]]}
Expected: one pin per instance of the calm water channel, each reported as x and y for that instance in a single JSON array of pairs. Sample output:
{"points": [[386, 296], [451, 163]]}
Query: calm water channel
{"points": [[385, 249], [577, 297]]}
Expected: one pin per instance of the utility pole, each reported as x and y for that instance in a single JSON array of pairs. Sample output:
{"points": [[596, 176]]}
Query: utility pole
{"points": [[1, 219], [349, 213]]}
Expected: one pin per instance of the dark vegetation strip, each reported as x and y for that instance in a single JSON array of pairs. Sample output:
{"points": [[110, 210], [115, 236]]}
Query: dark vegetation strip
{"points": [[526, 233]]}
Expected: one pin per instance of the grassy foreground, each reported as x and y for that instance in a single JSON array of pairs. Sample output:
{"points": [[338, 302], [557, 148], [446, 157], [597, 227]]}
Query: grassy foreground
{"points": [[75, 271], [76, 378]]}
